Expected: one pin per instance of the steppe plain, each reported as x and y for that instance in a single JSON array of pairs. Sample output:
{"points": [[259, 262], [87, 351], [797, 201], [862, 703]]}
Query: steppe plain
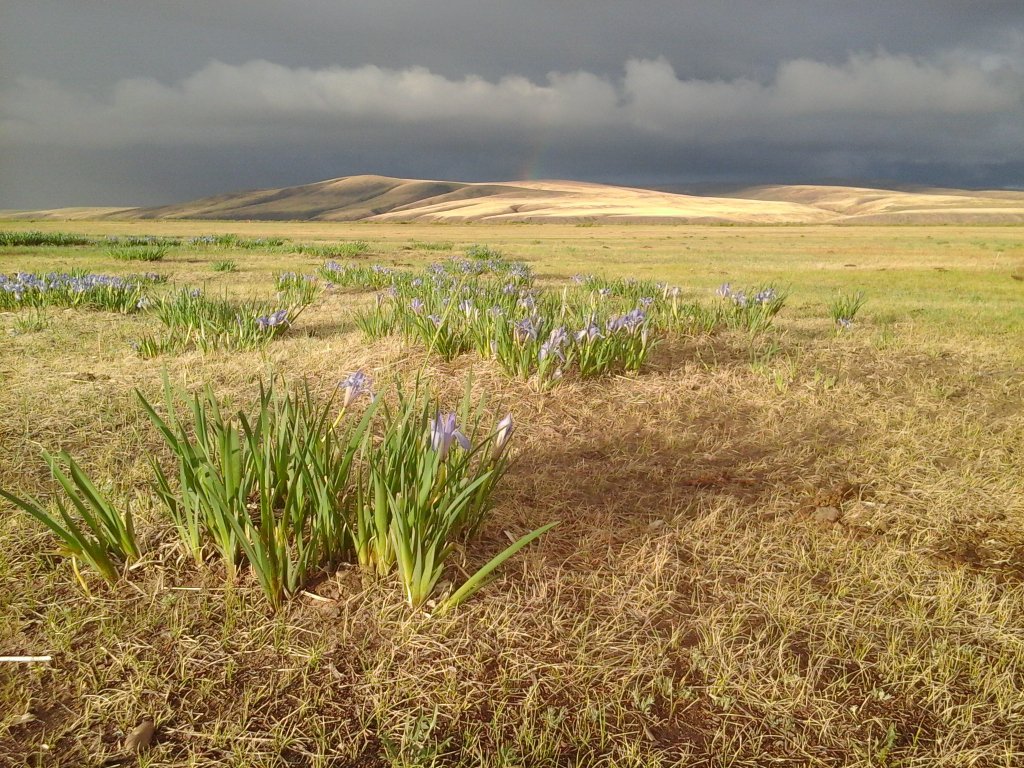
{"points": [[800, 548]]}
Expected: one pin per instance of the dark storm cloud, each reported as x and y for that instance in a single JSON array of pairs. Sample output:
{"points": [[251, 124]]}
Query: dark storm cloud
{"points": [[109, 102]]}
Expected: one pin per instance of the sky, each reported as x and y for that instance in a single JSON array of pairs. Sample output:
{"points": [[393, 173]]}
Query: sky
{"points": [[122, 102]]}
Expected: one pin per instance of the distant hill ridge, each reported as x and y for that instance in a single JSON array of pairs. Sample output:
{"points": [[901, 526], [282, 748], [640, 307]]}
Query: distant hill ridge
{"points": [[382, 198]]}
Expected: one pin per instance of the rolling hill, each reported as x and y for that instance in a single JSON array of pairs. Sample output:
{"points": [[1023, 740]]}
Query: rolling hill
{"points": [[381, 198]]}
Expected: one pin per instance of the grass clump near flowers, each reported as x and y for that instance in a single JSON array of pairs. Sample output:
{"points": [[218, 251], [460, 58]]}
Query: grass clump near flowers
{"points": [[100, 534], [429, 245], [269, 487], [77, 290], [195, 320], [224, 265], [350, 250], [844, 308], [35, 238], [379, 321], [292, 489], [630, 289], [483, 253], [138, 252]]}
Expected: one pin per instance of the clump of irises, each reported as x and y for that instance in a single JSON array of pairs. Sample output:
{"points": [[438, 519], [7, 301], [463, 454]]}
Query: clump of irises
{"points": [[427, 483], [536, 335], [78, 290], [751, 310], [297, 485]]}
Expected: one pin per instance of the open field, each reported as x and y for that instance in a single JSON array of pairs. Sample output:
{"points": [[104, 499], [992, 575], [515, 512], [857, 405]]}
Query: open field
{"points": [[800, 547]]}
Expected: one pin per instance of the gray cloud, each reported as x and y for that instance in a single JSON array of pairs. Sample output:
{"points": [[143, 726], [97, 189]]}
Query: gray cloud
{"points": [[450, 89], [264, 101]]}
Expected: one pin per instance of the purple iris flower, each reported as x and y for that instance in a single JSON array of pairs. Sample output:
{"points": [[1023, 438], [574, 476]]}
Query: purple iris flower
{"points": [[444, 431], [416, 305], [724, 290], [554, 344], [273, 320], [525, 330], [588, 334], [354, 385]]}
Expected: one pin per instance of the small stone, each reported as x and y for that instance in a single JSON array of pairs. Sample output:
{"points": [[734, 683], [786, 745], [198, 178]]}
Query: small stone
{"points": [[826, 515], [140, 738]]}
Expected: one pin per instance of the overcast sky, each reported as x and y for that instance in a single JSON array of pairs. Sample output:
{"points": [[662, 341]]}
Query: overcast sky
{"points": [[125, 102]]}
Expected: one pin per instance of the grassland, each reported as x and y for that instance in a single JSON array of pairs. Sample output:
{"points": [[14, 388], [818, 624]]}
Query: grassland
{"points": [[805, 549]]}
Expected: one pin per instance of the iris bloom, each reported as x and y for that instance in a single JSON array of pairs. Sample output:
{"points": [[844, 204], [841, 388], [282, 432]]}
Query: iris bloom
{"points": [[525, 330], [444, 431], [588, 334], [353, 386], [273, 320]]}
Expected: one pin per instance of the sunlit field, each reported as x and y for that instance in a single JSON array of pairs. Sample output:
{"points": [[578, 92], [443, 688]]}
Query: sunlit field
{"points": [[784, 467]]}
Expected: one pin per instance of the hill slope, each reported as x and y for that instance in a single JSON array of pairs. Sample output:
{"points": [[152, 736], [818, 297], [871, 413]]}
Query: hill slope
{"points": [[381, 198]]}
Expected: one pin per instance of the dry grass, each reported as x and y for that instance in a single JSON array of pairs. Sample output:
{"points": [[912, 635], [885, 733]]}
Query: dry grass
{"points": [[692, 609]]}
